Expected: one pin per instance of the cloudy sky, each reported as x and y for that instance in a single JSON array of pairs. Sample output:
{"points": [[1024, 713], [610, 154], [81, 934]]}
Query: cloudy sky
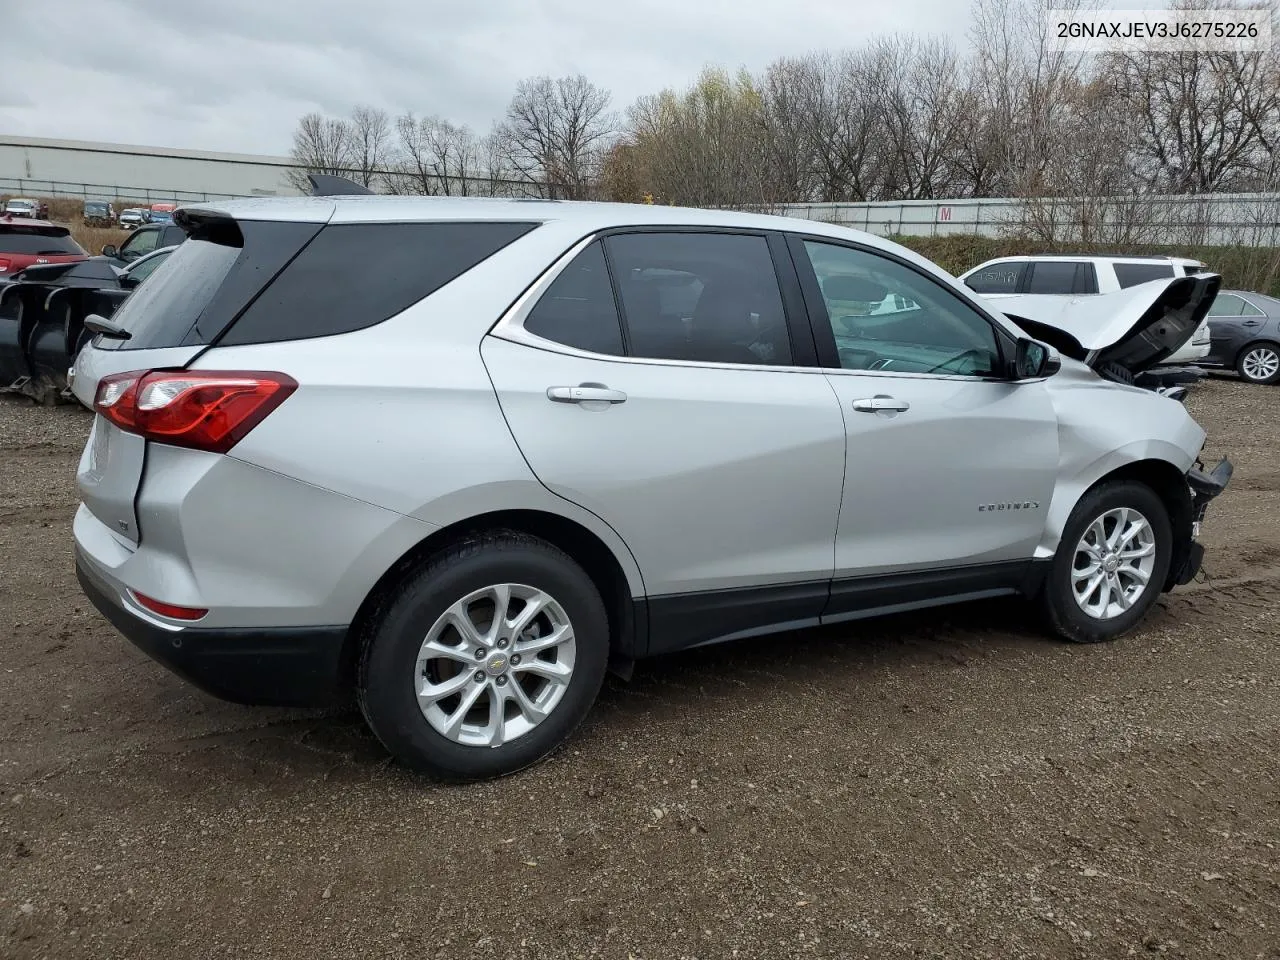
{"points": [[236, 74]]}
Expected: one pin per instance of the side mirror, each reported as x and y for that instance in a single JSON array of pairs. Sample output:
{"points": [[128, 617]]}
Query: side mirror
{"points": [[1033, 360], [109, 250]]}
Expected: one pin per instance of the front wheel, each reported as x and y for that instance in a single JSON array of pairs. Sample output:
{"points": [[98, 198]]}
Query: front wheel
{"points": [[486, 659], [1260, 363], [1111, 563]]}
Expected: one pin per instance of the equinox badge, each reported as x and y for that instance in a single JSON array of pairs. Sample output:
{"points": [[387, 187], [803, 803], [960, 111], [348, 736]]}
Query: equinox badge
{"points": [[1016, 505]]}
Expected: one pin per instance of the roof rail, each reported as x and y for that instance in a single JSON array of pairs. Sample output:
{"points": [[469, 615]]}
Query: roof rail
{"points": [[327, 185]]}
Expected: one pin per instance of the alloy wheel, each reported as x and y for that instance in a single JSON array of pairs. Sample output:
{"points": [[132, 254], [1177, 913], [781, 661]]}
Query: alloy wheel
{"points": [[495, 665], [1113, 562], [1260, 363]]}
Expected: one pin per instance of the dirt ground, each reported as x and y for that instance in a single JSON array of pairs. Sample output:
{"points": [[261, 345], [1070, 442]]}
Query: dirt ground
{"points": [[950, 784]]}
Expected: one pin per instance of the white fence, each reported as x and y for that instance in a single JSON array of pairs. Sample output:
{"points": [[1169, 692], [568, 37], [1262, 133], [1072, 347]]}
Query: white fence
{"points": [[1251, 219]]}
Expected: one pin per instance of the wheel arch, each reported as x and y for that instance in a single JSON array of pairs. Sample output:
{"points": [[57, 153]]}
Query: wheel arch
{"points": [[1250, 344], [1169, 483], [628, 622]]}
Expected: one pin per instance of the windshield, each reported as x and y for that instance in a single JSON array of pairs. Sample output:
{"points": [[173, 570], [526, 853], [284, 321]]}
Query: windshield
{"points": [[95, 208], [21, 205], [38, 240]]}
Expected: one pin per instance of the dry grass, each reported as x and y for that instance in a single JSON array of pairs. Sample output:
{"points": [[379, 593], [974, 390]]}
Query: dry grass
{"points": [[94, 238]]}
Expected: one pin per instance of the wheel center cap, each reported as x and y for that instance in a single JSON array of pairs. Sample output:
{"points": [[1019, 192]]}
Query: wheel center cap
{"points": [[1111, 563], [496, 664]]}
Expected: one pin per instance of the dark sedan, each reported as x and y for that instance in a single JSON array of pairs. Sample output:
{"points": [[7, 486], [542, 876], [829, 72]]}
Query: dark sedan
{"points": [[1245, 332]]}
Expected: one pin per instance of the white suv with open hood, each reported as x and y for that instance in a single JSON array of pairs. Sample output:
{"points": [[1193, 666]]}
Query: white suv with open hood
{"points": [[1081, 276]]}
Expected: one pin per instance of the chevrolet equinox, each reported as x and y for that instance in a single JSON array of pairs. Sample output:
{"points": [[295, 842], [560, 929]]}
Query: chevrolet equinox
{"points": [[459, 457]]}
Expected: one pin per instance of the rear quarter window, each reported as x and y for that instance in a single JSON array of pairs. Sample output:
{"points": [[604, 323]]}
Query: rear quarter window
{"points": [[1132, 274], [356, 275]]}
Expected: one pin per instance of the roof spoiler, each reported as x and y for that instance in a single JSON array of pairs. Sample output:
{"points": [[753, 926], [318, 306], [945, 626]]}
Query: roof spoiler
{"points": [[327, 185]]}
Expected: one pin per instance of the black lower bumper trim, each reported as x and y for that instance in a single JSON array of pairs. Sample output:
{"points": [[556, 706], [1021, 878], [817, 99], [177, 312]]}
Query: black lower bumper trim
{"points": [[276, 666], [1190, 565]]}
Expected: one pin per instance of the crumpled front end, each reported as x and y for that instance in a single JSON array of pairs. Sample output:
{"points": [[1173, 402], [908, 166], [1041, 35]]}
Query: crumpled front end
{"points": [[1205, 487]]}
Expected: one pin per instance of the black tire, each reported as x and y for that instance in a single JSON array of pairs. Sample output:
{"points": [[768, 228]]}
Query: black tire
{"points": [[386, 677], [1063, 613], [1250, 349]]}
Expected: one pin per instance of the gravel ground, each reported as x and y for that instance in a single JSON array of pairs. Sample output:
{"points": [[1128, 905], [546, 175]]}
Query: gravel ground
{"points": [[950, 784]]}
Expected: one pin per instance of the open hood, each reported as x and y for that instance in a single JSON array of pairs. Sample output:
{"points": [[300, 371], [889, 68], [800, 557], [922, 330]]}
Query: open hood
{"points": [[1121, 334]]}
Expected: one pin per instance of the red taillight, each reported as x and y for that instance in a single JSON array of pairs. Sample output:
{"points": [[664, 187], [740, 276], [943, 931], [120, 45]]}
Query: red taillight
{"points": [[170, 610], [202, 409]]}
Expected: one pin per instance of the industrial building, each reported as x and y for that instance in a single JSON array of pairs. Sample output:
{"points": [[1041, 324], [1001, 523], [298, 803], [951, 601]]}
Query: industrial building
{"points": [[77, 168]]}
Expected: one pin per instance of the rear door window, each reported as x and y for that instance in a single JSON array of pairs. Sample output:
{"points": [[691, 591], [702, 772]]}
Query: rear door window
{"points": [[997, 278], [356, 275], [1132, 274], [1086, 279], [1053, 277], [703, 297]]}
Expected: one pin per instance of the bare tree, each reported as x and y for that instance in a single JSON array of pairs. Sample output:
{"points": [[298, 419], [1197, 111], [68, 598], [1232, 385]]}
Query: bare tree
{"points": [[370, 132], [1211, 118], [434, 156], [320, 145], [556, 133], [920, 109]]}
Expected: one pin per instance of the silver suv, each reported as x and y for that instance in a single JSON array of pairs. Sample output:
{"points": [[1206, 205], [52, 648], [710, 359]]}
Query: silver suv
{"points": [[463, 456]]}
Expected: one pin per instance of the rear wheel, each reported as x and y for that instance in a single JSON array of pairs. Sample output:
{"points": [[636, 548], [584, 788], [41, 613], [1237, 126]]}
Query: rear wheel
{"points": [[1260, 363], [485, 659], [1111, 563]]}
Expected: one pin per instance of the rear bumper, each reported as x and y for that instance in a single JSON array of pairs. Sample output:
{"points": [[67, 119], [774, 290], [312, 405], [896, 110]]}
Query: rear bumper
{"points": [[278, 666]]}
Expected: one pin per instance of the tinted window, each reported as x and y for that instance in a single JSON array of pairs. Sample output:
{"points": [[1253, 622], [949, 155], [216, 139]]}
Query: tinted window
{"points": [[228, 267], [997, 278], [171, 236], [1132, 274], [886, 316], [158, 314], [578, 308], [704, 297], [1086, 278], [37, 240], [355, 275], [1053, 276], [1226, 305]]}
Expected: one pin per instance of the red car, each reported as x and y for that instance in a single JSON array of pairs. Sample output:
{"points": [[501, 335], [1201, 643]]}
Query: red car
{"points": [[24, 243]]}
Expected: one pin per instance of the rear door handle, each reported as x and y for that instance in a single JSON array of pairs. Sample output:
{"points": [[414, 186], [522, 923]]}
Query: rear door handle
{"points": [[880, 404], [586, 393], [1252, 323]]}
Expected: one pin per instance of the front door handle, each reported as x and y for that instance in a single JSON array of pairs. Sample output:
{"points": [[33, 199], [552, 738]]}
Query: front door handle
{"points": [[586, 393], [880, 404]]}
